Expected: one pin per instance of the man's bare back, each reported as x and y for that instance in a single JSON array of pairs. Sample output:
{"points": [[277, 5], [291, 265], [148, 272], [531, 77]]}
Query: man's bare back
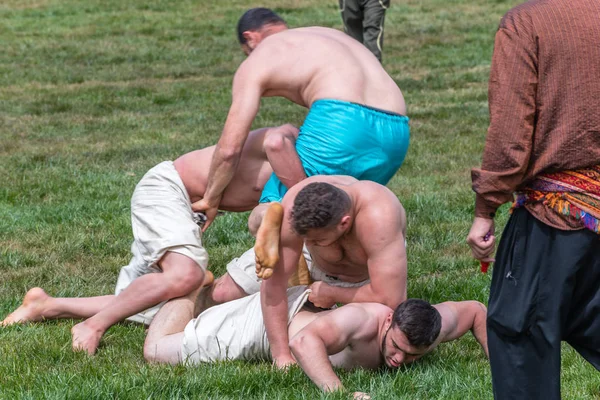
{"points": [[312, 63], [339, 80], [245, 188]]}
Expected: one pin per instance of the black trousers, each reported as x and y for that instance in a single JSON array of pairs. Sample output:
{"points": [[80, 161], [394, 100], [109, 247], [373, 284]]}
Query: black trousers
{"points": [[363, 20], [545, 289]]}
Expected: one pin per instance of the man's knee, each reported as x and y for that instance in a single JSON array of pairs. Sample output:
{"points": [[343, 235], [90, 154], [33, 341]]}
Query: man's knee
{"points": [[154, 354], [150, 351], [278, 138], [274, 142], [182, 274], [225, 289], [256, 217]]}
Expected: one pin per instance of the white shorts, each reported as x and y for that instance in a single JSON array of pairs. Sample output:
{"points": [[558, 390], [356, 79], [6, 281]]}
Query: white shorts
{"points": [[234, 330], [243, 272], [162, 220]]}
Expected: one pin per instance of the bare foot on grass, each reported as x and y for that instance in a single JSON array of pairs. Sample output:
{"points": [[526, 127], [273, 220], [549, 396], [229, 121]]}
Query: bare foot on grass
{"points": [[31, 310], [86, 338], [267, 241]]}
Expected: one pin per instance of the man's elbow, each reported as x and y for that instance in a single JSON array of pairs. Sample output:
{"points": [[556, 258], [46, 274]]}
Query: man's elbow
{"points": [[229, 154], [390, 300], [480, 310]]}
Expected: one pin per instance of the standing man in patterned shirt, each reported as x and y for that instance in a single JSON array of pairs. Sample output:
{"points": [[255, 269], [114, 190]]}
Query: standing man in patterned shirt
{"points": [[543, 144], [363, 20]]}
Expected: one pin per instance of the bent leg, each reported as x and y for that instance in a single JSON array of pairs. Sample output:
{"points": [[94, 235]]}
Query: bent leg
{"points": [[38, 306], [165, 335], [256, 217], [223, 289], [181, 275], [280, 148]]}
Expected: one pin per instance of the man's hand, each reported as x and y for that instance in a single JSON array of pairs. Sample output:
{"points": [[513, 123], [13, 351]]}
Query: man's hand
{"points": [[318, 295], [482, 244], [208, 210], [284, 362], [361, 396]]}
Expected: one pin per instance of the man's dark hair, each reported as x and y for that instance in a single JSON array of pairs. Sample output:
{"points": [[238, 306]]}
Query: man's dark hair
{"points": [[318, 205], [254, 19], [419, 321]]}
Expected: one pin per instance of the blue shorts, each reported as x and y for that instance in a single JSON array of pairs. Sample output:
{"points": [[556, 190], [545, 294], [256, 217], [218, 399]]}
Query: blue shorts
{"points": [[342, 138]]}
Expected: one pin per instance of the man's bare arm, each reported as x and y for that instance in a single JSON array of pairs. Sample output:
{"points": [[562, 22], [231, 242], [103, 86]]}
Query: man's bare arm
{"points": [[273, 292], [460, 317], [246, 94], [328, 334]]}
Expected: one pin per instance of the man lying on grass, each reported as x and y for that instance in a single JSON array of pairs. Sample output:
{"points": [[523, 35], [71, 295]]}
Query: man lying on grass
{"points": [[367, 335], [167, 241]]}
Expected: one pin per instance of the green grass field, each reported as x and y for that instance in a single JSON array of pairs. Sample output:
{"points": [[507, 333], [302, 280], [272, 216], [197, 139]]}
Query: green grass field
{"points": [[94, 93]]}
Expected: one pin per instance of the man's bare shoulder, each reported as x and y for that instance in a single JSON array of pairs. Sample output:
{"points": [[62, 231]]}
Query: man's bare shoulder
{"points": [[304, 41], [366, 315], [374, 197], [337, 180]]}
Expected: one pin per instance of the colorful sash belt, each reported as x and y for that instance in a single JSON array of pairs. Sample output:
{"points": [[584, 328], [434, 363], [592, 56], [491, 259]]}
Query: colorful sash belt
{"points": [[571, 193]]}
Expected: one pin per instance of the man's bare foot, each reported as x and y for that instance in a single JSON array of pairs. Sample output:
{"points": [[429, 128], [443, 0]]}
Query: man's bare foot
{"points": [[302, 275], [86, 338], [31, 310], [209, 278], [267, 241]]}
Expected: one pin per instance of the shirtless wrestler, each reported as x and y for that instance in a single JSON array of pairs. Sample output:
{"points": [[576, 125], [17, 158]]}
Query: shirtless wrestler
{"points": [[367, 335], [356, 124]]}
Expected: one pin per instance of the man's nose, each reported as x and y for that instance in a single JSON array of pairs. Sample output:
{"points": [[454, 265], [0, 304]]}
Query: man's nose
{"points": [[400, 358]]}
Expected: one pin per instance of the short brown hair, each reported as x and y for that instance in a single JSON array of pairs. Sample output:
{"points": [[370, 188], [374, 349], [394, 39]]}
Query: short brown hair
{"points": [[419, 321], [318, 205]]}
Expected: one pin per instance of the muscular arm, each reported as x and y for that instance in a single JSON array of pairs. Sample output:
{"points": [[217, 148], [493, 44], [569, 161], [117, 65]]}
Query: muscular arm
{"points": [[460, 317], [327, 335], [246, 94], [380, 230], [273, 292]]}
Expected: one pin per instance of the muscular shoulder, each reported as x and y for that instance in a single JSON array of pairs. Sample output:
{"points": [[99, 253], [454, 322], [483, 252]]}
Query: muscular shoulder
{"points": [[370, 189], [377, 202], [367, 316], [337, 180]]}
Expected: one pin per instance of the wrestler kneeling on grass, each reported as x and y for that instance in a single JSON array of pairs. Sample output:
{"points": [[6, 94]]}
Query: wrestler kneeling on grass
{"points": [[367, 335], [168, 260]]}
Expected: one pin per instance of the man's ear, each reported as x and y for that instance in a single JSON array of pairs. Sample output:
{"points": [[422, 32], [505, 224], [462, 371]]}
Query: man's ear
{"points": [[251, 39], [388, 320], [345, 222]]}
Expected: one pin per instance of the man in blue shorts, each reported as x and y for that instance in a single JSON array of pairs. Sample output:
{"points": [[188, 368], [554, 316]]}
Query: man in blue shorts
{"points": [[356, 123]]}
